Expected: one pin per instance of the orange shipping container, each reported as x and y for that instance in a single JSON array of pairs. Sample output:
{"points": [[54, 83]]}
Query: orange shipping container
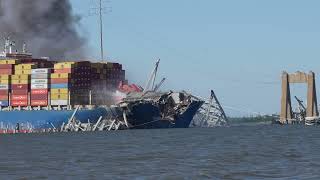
{"points": [[60, 81], [19, 97], [6, 66], [19, 103], [39, 97], [39, 103], [20, 86], [4, 97], [66, 70], [39, 91], [6, 71], [4, 92], [20, 92]]}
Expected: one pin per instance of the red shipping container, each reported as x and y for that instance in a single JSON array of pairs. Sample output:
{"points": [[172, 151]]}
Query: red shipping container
{"points": [[39, 91], [19, 103], [6, 71], [19, 86], [5, 66], [66, 70], [4, 97], [39, 103], [39, 97], [60, 81], [20, 92], [19, 97], [3, 92]]}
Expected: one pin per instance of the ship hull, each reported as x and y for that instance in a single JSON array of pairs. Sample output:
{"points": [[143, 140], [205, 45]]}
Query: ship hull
{"points": [[148, 116], [142, 116], [44, 119]]}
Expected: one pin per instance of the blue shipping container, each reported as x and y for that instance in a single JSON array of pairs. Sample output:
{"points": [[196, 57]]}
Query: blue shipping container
{"points": [[4, 103], [60, 86]]}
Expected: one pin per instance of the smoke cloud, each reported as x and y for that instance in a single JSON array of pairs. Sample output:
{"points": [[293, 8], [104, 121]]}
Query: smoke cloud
{"points": [[47, 26]]}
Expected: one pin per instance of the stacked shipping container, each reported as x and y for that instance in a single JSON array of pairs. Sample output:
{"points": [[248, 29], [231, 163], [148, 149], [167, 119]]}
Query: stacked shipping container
{"points": [[81, 83], [4, 89], [40, 87], [100, 92], [21, 84], [33, 82], [61, 83], [6, 70]]}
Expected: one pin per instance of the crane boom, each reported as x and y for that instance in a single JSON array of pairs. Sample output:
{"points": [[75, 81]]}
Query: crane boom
{"points": [[152, 78], [158, 86]]}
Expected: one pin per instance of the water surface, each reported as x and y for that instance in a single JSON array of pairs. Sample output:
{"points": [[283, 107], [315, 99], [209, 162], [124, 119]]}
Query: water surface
{"points": [[242, 152]]}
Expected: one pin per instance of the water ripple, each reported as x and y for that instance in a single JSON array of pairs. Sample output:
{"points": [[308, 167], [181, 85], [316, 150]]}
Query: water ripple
{"points": [[242, 152]]}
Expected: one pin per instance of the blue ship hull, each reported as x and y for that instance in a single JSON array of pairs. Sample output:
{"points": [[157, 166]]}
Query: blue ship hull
{"points": [[142, 116], [46, 118], [148, 116]]}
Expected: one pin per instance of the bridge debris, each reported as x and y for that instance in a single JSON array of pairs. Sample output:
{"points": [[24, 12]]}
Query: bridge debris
{"points": [[211, 114], [308, 115]]}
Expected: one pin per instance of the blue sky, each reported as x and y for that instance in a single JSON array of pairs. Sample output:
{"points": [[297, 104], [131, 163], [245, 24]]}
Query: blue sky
{"points": [[237, 48]]}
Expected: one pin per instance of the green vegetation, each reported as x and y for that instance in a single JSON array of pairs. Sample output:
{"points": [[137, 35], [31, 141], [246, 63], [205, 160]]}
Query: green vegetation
{"points": [[253, 119]]}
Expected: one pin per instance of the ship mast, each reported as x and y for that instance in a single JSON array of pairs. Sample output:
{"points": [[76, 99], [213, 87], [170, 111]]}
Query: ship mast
{"points": [[101, 30]]}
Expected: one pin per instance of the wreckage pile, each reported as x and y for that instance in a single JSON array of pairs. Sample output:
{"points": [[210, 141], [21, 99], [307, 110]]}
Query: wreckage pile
{"points": [[156, 110], [160, 110], [211, 114]]}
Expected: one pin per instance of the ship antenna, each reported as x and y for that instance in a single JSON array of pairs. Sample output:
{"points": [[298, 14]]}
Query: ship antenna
{"points": [[6, 44], [24, 47], [99, 11], [11, 45], [101, 30]]}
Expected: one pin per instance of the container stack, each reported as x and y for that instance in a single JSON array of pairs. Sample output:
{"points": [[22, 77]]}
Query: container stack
{"points": [[20, 82], [39, 82], [99, 89], [61, 83], [20, 87], [39, 86], [81, 83], [4, 89], [114, 75], [6, 70]]}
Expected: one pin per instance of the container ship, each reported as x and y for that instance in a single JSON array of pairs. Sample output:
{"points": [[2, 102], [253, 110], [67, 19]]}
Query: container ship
{"points": [[39, 93]]}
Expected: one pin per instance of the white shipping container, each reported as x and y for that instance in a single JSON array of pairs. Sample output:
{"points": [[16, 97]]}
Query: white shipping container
{"points": [[40, 71], [59, 102], [39, 81], [39, 76], [4, 86], [39, 86]]}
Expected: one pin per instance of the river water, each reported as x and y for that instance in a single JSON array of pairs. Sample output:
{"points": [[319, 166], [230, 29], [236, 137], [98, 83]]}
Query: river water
{"points": [[240, 152]]}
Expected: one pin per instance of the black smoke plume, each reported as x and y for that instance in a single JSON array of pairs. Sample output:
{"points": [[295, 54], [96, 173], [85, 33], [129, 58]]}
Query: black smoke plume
{"points": [[49, 27]]}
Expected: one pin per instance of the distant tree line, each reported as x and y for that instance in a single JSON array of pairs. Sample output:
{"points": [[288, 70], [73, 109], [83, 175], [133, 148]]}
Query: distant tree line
{"points": [[253, 119]]}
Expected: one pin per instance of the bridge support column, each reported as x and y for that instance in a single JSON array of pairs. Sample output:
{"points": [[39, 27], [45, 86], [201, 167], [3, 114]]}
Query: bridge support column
{"points": [[286, 109], [286, 115], [312, 107]]}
